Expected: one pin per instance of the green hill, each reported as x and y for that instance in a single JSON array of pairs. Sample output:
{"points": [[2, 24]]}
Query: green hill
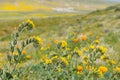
{"points": [[106, 21]]}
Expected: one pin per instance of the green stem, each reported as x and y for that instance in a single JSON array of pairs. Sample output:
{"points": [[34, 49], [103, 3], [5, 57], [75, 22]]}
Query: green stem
{"points": [[1, 78], [14, 68]]}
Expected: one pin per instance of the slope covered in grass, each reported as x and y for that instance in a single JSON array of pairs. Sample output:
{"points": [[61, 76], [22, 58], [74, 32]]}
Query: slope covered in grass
{"points": [[100, 21]]}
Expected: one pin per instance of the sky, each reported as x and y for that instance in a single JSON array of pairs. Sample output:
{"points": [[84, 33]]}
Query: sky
{"points": [[114, 0]]}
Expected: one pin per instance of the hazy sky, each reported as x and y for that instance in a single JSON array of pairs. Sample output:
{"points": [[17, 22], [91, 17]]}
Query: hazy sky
{"points": [[114, 0]]}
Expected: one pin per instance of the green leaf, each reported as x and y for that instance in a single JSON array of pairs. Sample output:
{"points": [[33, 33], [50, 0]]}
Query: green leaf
{"points": [[17, 35], [8, 75], [16, 58], [30, 40], [15, 42], [27, 41], [19, 51], [1, 72], [20, 28], [23, 44], [9, 57], [11, 48]]}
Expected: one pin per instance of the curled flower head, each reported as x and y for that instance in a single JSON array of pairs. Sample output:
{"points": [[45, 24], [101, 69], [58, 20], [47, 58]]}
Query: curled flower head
{"points": [[30, 24], [103, 69], [38, 39]]}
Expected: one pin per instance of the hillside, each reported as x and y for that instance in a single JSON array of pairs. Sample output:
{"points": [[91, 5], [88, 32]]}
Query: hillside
{"points": [[106, 21], [99, 19], [48, 5]]}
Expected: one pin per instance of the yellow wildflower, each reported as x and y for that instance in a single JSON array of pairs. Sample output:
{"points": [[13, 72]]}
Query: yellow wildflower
{"points": [[104, 57], [91, 68], [79, 52], [48, 61], [63, 43], [97, 37], [39, 40], [75, 40], [79, 68], [69, 56], [103, 69], [76, 50], [59, 69], [55, 41], [0, 54], [102, 49], [92, 47], [31, 23], [78, 72], [117, 69], [24, 52], [83, 38], [111, 61], [42, 48], [85, 58], [100, 73], [15, 53], [43, 58], [48, 45], [3, 44], [64, 60], [84, 49], [18, 46], [68, 49], [28, 56], [97, 41], [54, 57]]}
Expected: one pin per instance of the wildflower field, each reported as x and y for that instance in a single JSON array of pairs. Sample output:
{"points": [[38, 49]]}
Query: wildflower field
{"points": [[70, 47]]}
